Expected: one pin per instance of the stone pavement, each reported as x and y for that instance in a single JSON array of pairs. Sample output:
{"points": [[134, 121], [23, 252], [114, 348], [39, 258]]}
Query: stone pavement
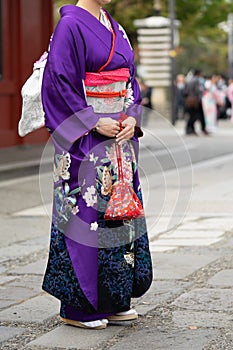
{"points": [[190, 303]]}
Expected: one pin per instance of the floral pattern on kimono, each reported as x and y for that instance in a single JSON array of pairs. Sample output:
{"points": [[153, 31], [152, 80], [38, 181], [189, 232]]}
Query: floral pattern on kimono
{"points": [[124, 269], [78, 273]]}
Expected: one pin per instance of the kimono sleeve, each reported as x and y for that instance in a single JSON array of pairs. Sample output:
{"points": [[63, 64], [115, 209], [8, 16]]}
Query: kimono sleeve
{"points": [[134, 108], [67, 115]]}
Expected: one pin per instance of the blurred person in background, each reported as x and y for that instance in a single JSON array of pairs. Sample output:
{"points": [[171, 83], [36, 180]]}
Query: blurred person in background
{"points": [[209, 104], [230, 97], [193, 92], [146, 93], [179, 96], [222, 100]]}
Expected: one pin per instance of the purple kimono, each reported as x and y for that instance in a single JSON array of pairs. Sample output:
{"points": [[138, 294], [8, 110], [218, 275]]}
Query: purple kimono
{"points": [[95, 266]]}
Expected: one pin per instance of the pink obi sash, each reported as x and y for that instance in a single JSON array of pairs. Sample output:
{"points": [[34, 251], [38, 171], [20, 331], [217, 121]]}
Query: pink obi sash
{"points": [[106, 90]]}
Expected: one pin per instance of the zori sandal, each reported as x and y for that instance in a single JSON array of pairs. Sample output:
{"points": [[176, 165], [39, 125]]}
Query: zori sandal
{"points": [[124, 316], [98, 324]]}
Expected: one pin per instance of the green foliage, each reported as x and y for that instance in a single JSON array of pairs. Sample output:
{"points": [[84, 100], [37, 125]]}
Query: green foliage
{"points": [[126, 11], [202, 45], [60, 3]]}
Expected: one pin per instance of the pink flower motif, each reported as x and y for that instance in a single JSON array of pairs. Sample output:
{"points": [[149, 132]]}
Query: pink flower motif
{"points": [[127, 171], [111, 155]]}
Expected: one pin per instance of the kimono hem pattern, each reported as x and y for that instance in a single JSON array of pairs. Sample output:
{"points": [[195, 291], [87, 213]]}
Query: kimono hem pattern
{"points": [[94, 266]]}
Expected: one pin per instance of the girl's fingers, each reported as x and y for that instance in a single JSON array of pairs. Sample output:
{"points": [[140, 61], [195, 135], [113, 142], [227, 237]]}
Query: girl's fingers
{"points": [[125, 137], [125, 132], [113, 130], [120, 142], [110, 130]]}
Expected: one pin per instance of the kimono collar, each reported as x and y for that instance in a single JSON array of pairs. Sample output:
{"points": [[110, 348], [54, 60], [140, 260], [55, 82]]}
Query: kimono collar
{"points": [[86, 18], [80, 13]]}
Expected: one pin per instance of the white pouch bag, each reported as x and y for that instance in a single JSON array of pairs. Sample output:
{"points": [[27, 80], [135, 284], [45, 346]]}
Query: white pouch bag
{"points": [[32, 116]]}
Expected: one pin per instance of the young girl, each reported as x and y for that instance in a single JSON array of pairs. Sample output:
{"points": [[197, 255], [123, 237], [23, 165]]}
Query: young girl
{"points": [[95, 265]]}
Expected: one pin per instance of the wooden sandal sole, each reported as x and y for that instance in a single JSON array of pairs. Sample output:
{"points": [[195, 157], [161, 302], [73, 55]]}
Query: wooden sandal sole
{"points": [[81, 325], [122, 318]]}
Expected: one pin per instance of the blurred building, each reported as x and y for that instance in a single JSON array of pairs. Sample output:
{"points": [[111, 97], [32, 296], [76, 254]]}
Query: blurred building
{"points": [[157, 38], [26, 26]]}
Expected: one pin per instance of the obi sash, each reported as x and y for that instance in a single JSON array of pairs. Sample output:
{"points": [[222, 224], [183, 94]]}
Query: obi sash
{"points": [[106, 90]]}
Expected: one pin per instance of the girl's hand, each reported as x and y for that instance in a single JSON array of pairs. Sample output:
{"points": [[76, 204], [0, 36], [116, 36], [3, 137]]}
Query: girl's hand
{"points": [[128, 130], [107, 127]]}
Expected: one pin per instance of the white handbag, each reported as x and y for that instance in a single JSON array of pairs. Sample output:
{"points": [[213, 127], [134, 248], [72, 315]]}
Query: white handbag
{"points": [[32, 116]]}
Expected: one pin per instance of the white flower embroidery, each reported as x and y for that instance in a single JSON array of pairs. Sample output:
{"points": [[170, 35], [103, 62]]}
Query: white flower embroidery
{"points": [[129, 98], [125, 35], [75, 210], [61, 167], [94, 226], [92, 158], [129, 258], [90, 196], [91, 189]]}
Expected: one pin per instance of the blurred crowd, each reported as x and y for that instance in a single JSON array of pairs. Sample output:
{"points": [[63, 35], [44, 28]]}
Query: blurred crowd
{"points": [[203, 99], [198, 98]]}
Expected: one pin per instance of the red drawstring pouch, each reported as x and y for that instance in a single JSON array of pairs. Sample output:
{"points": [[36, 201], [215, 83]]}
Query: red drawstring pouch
{"points": [[123, 204]]}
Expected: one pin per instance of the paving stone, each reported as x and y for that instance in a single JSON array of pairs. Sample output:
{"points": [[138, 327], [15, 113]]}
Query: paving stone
{"points": [[35, 310], [41, 241], [21, 228], [213, 224], [205, 299], [67, 337], [32, 282], [156, 228], [6, 303], [222, 278], [2, 269], [7, 333], [6, 279], [164, 340], [191, 218], [202, 319], [21, 288], [17, 294], [159, 292], [40, 210], [155, 248], [36, 268], [187, 242], [179, 266], [229, 243], [193, 234], [18, 250]]}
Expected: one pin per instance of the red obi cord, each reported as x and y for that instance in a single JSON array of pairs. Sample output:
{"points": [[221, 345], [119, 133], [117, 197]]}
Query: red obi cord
{"points": [[106, 94]]}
